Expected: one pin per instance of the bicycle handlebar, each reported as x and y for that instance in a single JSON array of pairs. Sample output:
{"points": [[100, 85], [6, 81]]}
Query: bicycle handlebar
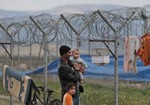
{"points": [[42, 89]]}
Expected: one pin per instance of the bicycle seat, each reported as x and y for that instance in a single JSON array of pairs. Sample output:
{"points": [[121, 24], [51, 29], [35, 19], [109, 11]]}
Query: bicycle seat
{"points": [[49, 90], [42, 89]]}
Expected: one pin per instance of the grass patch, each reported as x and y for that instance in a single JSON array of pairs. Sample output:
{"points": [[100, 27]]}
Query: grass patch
{"points": [[99, 92], [2, 91]]}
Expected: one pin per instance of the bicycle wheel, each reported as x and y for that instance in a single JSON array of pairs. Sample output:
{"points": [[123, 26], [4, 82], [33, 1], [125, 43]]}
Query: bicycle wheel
{"points": [[35, 102], [55, 102]]}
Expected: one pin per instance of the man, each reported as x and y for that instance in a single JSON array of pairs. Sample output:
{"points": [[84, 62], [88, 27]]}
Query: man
{"points": [[68, 73]]}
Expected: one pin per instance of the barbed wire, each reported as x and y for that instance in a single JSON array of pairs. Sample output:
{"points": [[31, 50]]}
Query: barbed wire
{"points": [[71, 28]]}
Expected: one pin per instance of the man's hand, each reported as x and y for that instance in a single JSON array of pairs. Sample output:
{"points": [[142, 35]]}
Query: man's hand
{"points": [[77, 66], [82, 69]]}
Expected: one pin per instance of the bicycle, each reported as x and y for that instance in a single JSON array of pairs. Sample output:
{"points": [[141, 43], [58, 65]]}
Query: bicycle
{"points": [[49, 101]]}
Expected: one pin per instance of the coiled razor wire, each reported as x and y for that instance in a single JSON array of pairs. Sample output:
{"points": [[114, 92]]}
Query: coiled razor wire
{"points": [[84, 27]]}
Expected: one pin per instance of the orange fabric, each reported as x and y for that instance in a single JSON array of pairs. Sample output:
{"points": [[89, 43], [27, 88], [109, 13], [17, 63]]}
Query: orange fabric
{"points": [[67, 99], [144, 51]]}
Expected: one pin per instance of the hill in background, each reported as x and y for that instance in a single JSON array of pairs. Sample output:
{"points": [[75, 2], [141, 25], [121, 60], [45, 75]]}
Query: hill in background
{"points": [[59, 10]]}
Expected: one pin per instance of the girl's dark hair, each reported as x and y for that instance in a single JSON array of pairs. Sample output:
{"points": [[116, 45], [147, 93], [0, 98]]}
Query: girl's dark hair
{"points": [[69, 85]]}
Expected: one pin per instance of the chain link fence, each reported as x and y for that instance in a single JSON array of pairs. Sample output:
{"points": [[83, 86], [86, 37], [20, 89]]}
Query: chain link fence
{"points": [[23, 39]]}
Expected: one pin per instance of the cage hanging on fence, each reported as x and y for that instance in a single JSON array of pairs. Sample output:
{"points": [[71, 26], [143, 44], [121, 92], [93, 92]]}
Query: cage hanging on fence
{"points": [[100, 56]]}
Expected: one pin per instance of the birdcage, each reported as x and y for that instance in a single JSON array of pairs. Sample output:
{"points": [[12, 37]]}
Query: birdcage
{"points": [[100, 56]]}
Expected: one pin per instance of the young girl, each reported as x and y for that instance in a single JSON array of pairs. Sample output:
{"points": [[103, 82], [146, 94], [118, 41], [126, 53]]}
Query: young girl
{"points": [[70, 90]]}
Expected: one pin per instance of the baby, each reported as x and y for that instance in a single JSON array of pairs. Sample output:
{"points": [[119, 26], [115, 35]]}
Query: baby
{"points": [[76, 59]]}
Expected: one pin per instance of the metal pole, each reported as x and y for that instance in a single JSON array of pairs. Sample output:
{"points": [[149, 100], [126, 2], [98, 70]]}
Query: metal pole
{"points": [[62, 16], [116, 60], [116, 72], [11, 51], [78, 34], [109, 24], [30, 53], [88, 23], [42, 42], [57, 43], [45, 57], [116, 53], [18, 53], [126, 21], [45, 68], [89, 44], [145, 26]]}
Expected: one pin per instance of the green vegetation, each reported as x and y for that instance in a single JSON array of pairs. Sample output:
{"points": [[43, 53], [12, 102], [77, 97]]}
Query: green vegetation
{"points": [[2, 91], [99, 92]]}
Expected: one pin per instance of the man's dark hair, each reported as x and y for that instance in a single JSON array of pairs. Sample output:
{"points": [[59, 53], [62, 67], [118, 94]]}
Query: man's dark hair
{"points": [[64, 49]]}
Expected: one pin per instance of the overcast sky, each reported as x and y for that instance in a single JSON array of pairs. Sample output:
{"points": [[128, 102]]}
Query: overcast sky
{"points": [[48, 4]]}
